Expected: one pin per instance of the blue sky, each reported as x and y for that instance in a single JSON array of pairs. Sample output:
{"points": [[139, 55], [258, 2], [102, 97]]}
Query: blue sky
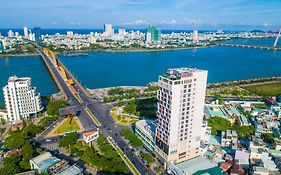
{"points": [[167, 14]]}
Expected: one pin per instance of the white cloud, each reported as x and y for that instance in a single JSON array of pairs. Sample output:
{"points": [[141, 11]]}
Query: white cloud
{"points": [[192, 21], [266, 24], [136, 22], [54, 22], [172, 21]]}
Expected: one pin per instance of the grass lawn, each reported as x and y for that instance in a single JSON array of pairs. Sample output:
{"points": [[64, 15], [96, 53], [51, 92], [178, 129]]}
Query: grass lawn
{"points": [[122, 119], [66, 127], [268, 89]]}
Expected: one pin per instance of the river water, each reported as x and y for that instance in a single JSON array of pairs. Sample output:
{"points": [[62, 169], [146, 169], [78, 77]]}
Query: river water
{"points": [[107, 69]]}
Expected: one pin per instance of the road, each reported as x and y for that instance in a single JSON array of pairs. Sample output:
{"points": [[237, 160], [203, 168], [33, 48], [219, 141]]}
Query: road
{"points": [[101, 111]]}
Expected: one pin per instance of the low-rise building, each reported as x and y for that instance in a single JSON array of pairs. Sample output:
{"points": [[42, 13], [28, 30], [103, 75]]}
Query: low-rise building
{"points": [[3, 115], [243, 121], [48, 164], [90, 136], [43, 162], [260, 171], [229, 138], [195, 166], [145, 130], [205, 133]]}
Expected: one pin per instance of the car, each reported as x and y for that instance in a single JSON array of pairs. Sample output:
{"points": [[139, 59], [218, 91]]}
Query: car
{"points": [[48, 140]]}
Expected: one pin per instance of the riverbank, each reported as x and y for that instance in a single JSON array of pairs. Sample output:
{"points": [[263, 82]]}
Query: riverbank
{"points": [[109, 50], [135, 50], [18, 55]]}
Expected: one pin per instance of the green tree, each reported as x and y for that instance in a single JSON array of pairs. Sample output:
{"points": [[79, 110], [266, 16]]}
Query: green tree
{"points": [[68, 140], [54, 106], [11, 167], [129, 135], [147, 157], [269, 137], [27, 151], [16, 140], [130, 108], [32, 129], [219, 124]]}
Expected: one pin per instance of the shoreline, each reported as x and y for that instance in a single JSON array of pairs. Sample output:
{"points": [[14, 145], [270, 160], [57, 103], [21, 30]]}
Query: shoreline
{"points": [[3, 56], [136, 50], [242, 82]]}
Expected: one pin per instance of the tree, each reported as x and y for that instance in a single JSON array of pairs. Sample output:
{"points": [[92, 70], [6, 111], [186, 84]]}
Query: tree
{"points": [[245, 131], [16, 140], [219, 124], [269, 137], [68, 140], [32, 129], [130, 108], [134, 140], [147, 157], [11, 165], [54, 106], [27, 151]]}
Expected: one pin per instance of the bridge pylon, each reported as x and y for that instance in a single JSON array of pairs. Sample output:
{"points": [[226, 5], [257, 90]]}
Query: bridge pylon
{"points": [[276, 41]]}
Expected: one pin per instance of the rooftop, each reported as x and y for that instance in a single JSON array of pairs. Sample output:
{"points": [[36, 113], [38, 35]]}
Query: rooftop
{"points": [[216, 111], [16, 79], [199, 165], [177, 73], [89, 133], [45, 160], [147, 126], [72, 170]]}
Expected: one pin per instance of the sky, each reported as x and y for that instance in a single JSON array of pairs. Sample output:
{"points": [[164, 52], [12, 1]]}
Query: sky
{"points": [[166, 14]]}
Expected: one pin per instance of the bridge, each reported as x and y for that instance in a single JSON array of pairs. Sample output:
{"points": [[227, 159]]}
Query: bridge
{"points": [[257, 46], [251, 46], [94, 115]]}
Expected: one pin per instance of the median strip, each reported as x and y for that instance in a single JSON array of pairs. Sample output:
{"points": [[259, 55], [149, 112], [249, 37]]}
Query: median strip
{"points": [[93, 117], [124, 157]]}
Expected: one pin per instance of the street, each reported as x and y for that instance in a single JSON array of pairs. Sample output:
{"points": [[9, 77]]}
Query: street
{"points": [[101, 111]]}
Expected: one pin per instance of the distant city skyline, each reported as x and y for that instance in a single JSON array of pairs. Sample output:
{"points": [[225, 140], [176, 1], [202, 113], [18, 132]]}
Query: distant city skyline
{"points": [[168, 14]]}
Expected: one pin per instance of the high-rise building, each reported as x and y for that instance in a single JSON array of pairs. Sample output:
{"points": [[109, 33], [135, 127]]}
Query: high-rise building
{"points": [[195, 36], [153, 34], [17, 34], [69, 33], [25, 32], [38, 34], [122, 32], [108, 31], [180, 110], [2, 46], [10, 33], [31, 36], [21, 99]]}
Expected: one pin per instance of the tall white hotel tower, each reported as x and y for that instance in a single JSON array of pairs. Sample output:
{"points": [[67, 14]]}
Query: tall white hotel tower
{"points": [[21, 99], [180, 110]]}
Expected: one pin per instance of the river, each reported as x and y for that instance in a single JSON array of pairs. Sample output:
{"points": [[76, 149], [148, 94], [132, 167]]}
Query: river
{"points": [[107, 69]]}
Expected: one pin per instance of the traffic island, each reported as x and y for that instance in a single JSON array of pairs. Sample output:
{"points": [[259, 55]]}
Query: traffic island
{"points": [[67, 125], [93, 117]]}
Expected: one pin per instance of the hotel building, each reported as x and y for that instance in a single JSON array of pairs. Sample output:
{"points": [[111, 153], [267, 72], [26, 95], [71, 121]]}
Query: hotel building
{"points": [[180, 110], [21, 99]]}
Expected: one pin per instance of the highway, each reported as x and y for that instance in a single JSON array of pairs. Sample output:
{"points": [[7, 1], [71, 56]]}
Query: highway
{"points": [[102, 112]]}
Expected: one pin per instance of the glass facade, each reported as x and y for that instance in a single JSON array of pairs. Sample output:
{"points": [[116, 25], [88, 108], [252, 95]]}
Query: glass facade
{"points": [[155, 34], [37, 32]]}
